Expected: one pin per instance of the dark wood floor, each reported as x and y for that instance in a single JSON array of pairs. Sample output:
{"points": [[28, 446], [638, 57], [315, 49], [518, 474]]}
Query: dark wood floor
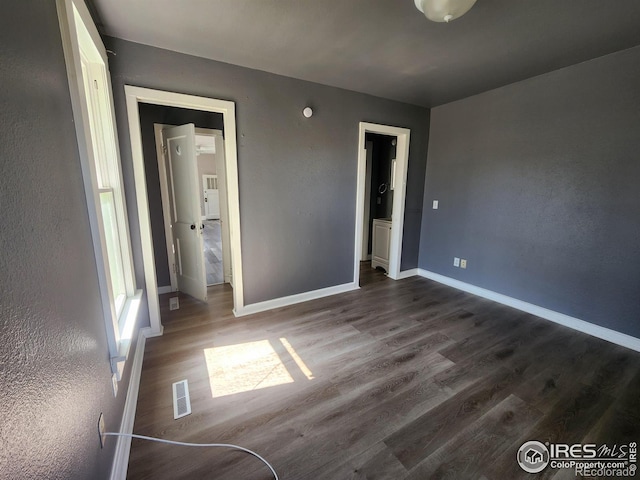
{"points": [[404, 379]]}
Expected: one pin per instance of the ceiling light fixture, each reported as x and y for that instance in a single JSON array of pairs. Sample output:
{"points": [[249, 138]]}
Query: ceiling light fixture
{"points": [[444, 10]]}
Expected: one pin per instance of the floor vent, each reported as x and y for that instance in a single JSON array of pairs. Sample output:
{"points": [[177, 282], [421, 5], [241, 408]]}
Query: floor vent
{"points": [[181, 400], [174, 303]]}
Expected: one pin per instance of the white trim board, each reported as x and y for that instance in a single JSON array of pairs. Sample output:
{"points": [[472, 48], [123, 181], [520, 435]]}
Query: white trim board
{"points": [[123, 444], [407, 273], [397, 216], [574, 323], [165, 289], [293, 299], [136, 95]]}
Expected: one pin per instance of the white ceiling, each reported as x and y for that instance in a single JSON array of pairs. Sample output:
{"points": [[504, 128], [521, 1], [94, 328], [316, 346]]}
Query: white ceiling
{"points": [[382, 47]]}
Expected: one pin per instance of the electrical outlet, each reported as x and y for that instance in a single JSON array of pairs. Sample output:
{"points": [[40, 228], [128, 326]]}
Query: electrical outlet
{"points": [[456, 262], [174, 303], [435, 204], [463, 263], [101, 430]]}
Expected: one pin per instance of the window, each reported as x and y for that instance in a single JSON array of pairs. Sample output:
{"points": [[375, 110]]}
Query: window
{"points": [[91, 96], [115, 252]]}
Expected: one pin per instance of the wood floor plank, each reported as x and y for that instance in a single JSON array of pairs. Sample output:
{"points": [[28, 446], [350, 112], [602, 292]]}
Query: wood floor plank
{"points": [[568, 422], [375, 463], [399, 379], [473, 451], [620, 424], [421, 438]]}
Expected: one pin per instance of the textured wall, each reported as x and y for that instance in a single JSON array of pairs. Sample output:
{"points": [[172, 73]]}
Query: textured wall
{"points": [[297, 176], [55, 374], [150, 114], [538, 189]]}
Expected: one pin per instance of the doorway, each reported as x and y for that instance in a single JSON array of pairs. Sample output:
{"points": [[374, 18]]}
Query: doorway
{"points": [[379, 190], [392, 183], [211, 196], [137, 95]]}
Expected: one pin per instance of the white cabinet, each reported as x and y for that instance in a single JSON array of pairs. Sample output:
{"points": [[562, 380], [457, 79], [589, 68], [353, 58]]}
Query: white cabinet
{"points": [[381, 241]]}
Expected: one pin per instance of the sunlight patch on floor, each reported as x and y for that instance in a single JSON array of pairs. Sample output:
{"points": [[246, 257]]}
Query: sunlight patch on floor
{"points": [[296, 358], [244, 367]]}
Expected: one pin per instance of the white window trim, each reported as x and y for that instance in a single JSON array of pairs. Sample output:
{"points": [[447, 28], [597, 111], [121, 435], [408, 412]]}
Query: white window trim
{"points": [[86, 41]]}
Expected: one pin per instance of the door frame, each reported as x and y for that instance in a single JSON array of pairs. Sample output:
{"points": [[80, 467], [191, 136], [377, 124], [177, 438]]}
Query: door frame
{"points": [[136, 95], [367, 203], [221, 173], [400, 191]]}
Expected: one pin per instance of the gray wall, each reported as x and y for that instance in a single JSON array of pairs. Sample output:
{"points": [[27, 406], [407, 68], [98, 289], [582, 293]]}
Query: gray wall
{"points": [[150, 114], [56, 377], [297, 176], [538, 184]]}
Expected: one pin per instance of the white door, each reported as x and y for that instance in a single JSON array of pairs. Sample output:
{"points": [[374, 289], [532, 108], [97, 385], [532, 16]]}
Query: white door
{"points": [[211, 197], [185, 215]]}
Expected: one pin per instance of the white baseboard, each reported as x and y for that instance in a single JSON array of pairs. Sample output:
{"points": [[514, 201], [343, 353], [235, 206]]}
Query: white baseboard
{"points": [[148, 332], [575, 323], [165, 289], [293, 299], [123, 444], [407, 273]]}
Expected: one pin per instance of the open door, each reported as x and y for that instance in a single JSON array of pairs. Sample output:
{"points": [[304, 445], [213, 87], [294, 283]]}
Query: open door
{"points": [[180, 143]]}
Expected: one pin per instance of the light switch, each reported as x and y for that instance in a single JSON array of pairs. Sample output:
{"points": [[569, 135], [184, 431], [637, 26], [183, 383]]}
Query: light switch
{"points": [[435, 204], [456, 262]]}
